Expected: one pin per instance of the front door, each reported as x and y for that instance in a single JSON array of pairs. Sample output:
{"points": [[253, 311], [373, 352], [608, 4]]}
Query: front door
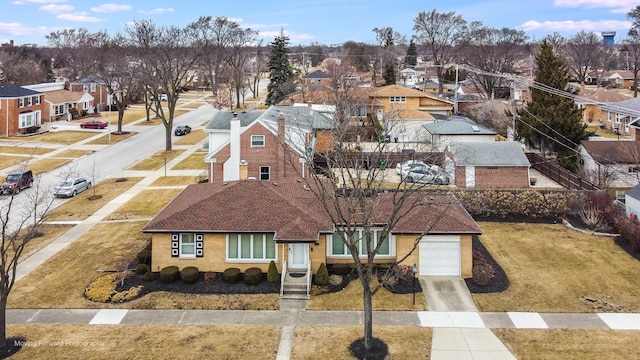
{"points": [[298, 256]]}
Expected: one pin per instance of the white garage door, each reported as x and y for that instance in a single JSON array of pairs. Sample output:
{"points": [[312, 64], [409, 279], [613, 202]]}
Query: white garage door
{"points": [[440, 255]]}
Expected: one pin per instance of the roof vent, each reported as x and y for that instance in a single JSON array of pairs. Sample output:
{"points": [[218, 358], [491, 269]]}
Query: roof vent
{"points": [[475, 128]]}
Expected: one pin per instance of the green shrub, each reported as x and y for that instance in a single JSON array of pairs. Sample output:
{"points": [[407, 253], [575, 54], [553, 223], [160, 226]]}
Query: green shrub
{"points": [[190, 274], [272, 272], [142, 269], [231, 275], [149, 276], [144, 257], [169, 274], [322, 276], [74, 112], [253, 276]]}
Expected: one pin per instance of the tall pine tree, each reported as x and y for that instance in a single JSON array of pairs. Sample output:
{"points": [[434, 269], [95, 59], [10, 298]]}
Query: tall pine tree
{"points": [[280, 73], [551, 122], [411, 58]]}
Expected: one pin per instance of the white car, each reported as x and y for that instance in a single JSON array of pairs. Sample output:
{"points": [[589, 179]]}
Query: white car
{"points": [[426, 176], [406, 166], [72, 187]]}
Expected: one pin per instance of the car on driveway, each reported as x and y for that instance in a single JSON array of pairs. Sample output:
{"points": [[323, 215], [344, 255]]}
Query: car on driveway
{"points": [[182, 130], [406, 166], [94, 124], [426, 175], [72, 187]]}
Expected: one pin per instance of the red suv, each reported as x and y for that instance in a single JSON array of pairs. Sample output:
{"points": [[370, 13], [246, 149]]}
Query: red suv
{"points": [[17, 181]]}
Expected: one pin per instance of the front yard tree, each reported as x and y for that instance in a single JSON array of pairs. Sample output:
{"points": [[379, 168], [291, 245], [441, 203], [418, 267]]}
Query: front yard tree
{"points": [[632, 44], [20, 221], [551, 119], [238, 57], [281, 77], [440, 33], [167, 55], [584, 52]]}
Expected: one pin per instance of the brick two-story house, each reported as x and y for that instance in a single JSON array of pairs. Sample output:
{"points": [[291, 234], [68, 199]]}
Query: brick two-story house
{"points": [[20, 108]]}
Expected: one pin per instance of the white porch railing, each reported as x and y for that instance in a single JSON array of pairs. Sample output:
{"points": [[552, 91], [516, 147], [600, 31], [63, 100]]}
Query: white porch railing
{"points": [[308, 279]]}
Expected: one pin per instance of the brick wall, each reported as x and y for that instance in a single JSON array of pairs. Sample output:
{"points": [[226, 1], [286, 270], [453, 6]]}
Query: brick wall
{"points": [[10, 107], [505, 177]]}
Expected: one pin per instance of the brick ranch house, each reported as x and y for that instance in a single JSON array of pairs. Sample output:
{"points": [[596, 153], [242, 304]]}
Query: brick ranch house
{"points": [[20, 108], [249, 223]]}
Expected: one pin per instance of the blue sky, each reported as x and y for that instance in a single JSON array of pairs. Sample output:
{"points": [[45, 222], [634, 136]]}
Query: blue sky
{"points": [[305, 21]]}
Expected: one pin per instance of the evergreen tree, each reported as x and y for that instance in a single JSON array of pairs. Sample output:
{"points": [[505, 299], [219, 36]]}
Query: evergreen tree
{"points": [[389, 74], [280, 73], [551, 122], [411, 59]]}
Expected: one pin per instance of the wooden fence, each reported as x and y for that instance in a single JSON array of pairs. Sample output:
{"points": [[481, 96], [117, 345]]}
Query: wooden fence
{"points": [[557, 173]]}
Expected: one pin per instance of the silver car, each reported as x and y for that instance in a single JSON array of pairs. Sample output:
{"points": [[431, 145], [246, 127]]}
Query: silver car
{"points": [[72, 187], [427, 176]]}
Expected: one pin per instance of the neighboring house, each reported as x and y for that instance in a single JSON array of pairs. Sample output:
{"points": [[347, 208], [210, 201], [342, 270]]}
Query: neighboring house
{"points": [[632, 201], [623, 116], [96, 87], [456, 129], [592, 99], [391, 98], [60, 102], [269, 146], [316, 78], [482, 165], [619, 78], [410, 77], [611, 163], [20, 108], [246, 224]]}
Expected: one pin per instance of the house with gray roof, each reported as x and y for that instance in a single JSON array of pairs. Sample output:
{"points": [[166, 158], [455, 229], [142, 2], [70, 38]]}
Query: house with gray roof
{"points": [[632, 201], [22, 108], [253, 141], [623, 116], [498, 164], [457, 129]]}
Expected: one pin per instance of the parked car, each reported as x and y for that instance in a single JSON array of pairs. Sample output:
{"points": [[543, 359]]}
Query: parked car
{"points": [[17, 181], [426, 175], [162, 97], [406, 166], [72, 187], [94, 124], [182, 130]]}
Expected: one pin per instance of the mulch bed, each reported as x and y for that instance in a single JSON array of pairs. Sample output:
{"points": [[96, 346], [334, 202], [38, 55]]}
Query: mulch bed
{"points": [[500, 281]]}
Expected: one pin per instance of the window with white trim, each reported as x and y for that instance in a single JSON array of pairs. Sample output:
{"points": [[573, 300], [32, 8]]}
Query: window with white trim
{"points": [[397, 99], [29, 101], [187, 245], [337, 246], [28, 119], [265, 173], [251, 247], [21, 102], [93, 87], [36, 100], [257, 140], [58, 109]]}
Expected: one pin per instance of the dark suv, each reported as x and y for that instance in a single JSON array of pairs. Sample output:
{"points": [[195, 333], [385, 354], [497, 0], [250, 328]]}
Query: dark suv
{"points": [[17, 181], [182, 130]]}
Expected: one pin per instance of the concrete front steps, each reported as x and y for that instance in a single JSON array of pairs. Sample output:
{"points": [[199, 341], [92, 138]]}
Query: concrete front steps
{"points": [[294, 287]]}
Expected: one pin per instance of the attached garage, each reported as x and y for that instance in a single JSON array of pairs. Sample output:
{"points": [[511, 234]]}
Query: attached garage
{"points": [[440, 255]]}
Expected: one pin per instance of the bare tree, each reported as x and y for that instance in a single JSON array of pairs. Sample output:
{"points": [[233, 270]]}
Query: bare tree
{"points": [[238, 55], [21, 221], [495, 51], [440, 33], [258, 65], [167, 56], [19, 67], [75, 50], [584, 51]]}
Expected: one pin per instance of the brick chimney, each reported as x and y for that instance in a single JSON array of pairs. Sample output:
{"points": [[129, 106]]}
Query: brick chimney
{"points": [[281, 145]]}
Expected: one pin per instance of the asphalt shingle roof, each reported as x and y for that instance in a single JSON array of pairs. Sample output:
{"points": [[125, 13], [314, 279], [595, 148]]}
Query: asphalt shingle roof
{"points": [[14, 91], [634, 192], [496, 153], [613, 152], [294, 213]]}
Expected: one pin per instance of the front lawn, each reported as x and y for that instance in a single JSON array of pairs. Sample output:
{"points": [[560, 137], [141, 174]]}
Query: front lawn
{"points": [[554, 269]]}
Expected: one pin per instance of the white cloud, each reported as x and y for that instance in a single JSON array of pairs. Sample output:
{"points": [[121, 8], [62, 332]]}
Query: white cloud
{"points": [[570, 25], [157, 11], [56, 9], [25, 2], [617, 6], [17, 29], [79, 17], [111, 8], [294, 38]]}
